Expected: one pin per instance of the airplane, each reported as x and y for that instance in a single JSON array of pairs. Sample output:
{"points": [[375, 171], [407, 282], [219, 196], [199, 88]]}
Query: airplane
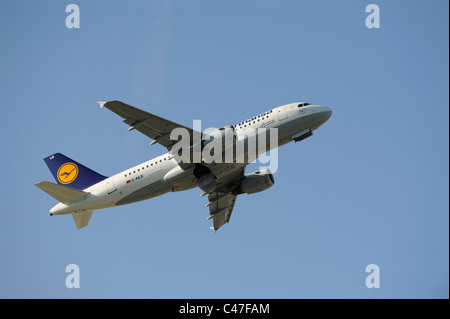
{"points": [[81, 190]]}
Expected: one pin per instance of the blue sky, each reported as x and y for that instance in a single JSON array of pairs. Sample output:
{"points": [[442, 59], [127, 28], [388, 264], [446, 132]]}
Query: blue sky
{"points": [[370, 187]]}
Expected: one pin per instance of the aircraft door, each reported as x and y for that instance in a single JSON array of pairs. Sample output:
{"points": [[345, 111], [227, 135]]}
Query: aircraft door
{"points": [[282, 113], [110, 186]]}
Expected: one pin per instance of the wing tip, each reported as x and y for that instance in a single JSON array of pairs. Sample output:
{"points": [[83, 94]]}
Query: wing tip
{"points": [[101, 103]]}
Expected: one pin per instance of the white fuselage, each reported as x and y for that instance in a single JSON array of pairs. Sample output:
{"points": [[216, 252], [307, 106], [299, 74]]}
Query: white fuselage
{"points": [[147, 180]]}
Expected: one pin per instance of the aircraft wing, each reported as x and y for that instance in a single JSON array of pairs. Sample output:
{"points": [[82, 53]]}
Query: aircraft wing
{"points": [[220, 208], [221, 201], [155, 127]]}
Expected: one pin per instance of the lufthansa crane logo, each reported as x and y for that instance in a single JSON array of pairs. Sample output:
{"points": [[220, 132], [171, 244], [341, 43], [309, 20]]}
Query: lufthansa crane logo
{"points": [[67, 173]]}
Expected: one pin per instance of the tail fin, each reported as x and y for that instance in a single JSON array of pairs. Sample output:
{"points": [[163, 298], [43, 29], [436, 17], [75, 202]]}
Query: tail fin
{"points": [[82, 219], [70, 173]]}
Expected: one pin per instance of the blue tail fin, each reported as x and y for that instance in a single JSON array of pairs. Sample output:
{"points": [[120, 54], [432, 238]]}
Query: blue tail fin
{"points": [[71, 173]]}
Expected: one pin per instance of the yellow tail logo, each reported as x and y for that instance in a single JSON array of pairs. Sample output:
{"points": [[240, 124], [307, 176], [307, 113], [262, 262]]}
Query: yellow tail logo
{"points": [[67, 173]]}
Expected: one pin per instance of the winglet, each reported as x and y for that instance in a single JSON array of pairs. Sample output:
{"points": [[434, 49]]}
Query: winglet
{"points": [[213, 229], [101, 103]]}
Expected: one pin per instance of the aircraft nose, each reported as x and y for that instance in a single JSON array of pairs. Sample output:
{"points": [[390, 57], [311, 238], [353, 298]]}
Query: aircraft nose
{"points": [[320, 116], [327, 112], [323, 113]]}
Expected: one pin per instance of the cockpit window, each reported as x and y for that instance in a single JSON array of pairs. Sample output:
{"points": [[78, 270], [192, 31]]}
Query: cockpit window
{"points": [[303, 104]]}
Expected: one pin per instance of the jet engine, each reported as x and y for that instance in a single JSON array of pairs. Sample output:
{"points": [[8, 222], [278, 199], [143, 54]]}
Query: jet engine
{"points": [[255, 182]]}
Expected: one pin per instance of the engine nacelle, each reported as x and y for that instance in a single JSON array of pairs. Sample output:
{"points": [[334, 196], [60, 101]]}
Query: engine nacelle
{"points": [[255, 182]]}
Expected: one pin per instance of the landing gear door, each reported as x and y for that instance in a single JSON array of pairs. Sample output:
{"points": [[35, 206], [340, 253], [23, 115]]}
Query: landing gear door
{"points": [[110, 186]]}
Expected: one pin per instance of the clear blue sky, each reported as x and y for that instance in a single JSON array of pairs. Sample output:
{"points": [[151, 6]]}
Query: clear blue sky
{"points": [[370, 187]]}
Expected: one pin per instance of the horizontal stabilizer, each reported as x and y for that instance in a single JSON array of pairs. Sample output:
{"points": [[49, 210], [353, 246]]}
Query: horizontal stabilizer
{"points": [[62, 193], [82, 219]]}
